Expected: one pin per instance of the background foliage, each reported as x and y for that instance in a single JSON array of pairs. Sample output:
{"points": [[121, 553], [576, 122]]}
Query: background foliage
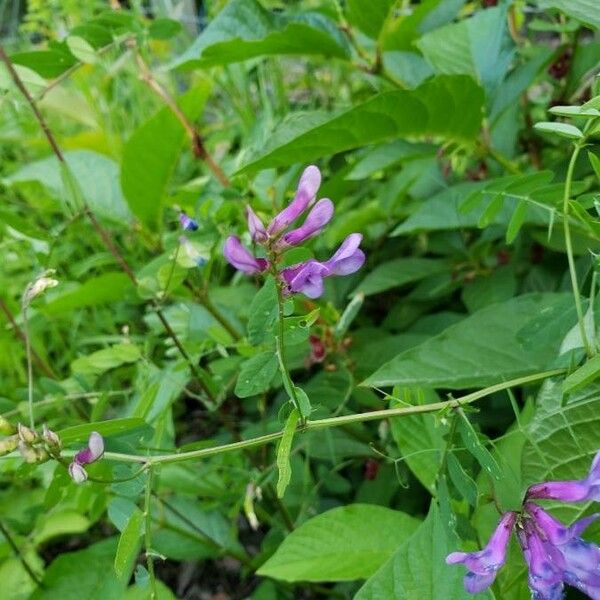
{"points": [[421, 116]]}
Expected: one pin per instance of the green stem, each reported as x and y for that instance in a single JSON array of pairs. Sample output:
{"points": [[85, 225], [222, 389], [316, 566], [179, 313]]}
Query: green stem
{"points": [[148, 535], [18, 552], [569, 247], [375, 415]]}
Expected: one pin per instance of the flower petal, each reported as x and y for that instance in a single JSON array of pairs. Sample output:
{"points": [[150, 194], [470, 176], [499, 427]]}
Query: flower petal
{"points": [[348, 258], [240, 258], [257, 230], [318, 217], [187, 222], [77, 473], [306, 278], [308, 186]]}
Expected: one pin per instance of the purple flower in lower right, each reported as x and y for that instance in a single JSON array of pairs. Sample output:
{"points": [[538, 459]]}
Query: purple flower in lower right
{"points": [[555, 553]]}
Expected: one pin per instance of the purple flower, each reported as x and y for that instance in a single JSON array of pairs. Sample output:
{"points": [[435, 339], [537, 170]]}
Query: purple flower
{"points": [[257, 230], [308, 186], [484, 565], [578, 560], [570, 491], [187, 222], [93, 452], [543, 561], [318, 217], [241, 259], [191, 251], [307, 277]]}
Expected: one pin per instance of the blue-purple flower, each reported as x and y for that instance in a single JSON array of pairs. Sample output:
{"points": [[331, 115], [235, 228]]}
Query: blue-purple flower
{"points": [[305, 277], [484, 565], [570, 491], [187, 223], [555, 553], [90, 454]]}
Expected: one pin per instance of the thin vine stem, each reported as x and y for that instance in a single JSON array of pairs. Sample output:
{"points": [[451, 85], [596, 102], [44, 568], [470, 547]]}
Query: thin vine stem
{"points": [[375, 415], [148, 534], [22, 559], [569, 246]]}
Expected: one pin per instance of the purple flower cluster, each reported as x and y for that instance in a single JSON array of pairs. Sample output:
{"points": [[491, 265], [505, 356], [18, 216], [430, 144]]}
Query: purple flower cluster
{"points": [[93, 452], [305, 277], [555, 554]]}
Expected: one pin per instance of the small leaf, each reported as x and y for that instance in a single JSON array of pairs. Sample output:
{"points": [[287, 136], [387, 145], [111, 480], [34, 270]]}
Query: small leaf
{"points": [[283, 452], [303, 402], [574, 111], [477, 449], [595, 162], [462, 480], [352, 309], [256, 374], [263, 312], [561, 129], [80, 433], [81, 49], [491, 211], [516, 222], [129, 544], [583, 376]]}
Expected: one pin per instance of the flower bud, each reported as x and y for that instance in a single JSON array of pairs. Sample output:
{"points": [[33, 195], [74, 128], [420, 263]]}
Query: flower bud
{"points": [[7, 445], [26, 435], [77, 473], [50, 437], [39, 286], [28, 452], [5, 427]]}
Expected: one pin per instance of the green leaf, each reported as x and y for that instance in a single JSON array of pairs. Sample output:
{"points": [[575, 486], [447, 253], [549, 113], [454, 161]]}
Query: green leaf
{"points": [[479, 46], [283, 452], [479, 351], [108, 358], [352, 309], [369, 16], [96, 175], [83, 574], [304, 405], [256, 374], [585, 11], [462, 480], [81, 49], [263, 312], [473, 444], [561, 129], [398, 272], [516, 222], [81, 433], [342, 544], [583, 376], [164, 29], [106, 288], [47, 63], [449, 107], [151, 154], [244, 30], [574, 111], [418, 568], [492, 210], [58, 524], [129, 544]]}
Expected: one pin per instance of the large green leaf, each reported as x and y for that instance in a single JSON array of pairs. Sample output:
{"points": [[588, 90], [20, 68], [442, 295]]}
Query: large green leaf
{"points": [[418, 568], [345, 543], [83, 574], [585, 11], [449, 107], [151, 153], [256, 374], [244, 29], [479, 47], [369, 16], [481, 350], [97, 176]]}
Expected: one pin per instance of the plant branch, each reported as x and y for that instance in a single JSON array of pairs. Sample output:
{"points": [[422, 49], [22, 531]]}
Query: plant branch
{"points": [[198, 148], [148, 535], [336, 422]]}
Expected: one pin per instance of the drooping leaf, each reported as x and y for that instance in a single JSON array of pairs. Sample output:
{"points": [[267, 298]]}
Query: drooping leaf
{"points": [[80, 433], [585, 11], [129, 544], [283, 452], [346, 543], [448, 107]]}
